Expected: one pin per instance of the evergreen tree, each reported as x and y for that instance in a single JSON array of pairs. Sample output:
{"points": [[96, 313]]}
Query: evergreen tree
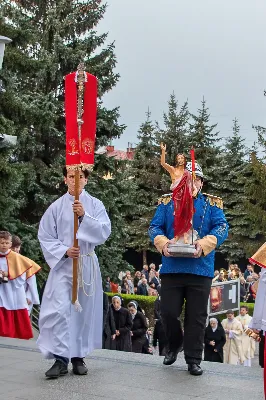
{"points": [[145, 170], [116, 194], [204, 138], [173, 134], [49, 41], [230, 185], [255, 191], [175, 129]]}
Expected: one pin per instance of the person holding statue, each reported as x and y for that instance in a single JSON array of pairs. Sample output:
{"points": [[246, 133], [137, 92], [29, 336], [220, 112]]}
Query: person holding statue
{"points": [[187, 279]]}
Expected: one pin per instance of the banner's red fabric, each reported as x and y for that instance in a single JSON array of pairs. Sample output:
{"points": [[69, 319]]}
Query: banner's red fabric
{"points": [[80, 151], [183, 205]]}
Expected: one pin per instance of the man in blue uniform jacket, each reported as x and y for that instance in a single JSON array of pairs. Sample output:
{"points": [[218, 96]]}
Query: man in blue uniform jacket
{"points": [[188, 279]]}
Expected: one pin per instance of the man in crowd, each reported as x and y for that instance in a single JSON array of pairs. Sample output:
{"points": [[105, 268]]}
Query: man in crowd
{"points": [[233, 353], [249, 271], [142, 288], [248, 344], [65, 333], [188, 279], [145, 271]]}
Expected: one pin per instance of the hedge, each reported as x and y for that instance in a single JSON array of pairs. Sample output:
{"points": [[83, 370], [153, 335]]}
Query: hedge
{"points": [[147, 304]]}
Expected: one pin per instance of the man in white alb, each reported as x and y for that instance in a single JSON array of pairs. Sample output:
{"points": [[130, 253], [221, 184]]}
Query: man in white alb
{"points": [[65, 333]]}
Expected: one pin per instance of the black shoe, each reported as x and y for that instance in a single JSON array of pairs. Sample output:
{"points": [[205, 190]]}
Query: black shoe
{"points": [[195, 369], [79, 366], [58, 369], [171, 356]]}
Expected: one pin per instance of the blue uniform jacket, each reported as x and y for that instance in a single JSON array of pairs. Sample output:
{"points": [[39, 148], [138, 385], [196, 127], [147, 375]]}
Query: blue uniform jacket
{"points": [[209, 219]]}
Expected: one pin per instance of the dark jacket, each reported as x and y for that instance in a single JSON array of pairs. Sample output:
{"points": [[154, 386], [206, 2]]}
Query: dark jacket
{"points": [[146, 273], [154, 281], [123, 324], [108, 323], [139, 330], [219, 337], [142, 290]]}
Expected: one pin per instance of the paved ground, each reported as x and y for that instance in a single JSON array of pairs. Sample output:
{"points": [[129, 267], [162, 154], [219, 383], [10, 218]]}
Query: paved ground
{"points": [[121, 376]]}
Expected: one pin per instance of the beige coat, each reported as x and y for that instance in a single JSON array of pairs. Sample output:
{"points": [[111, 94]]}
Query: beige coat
{"points": [[233, 353], [248, 344]]}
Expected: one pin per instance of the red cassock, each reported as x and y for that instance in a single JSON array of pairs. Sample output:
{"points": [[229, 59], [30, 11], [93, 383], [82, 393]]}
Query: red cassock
{"points": [[183, 205], [80, 150]]}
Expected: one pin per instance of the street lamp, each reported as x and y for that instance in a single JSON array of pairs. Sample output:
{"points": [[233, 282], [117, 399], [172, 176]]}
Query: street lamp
{"points": [[5, 140]]}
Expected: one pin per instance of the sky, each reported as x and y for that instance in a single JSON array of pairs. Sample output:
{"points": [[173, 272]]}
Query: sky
{"points": [[195, 48]]}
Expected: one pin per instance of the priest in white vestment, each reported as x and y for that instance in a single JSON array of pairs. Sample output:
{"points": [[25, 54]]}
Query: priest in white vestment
{"points": [[233, 353], [248, 344], [65, 333]]}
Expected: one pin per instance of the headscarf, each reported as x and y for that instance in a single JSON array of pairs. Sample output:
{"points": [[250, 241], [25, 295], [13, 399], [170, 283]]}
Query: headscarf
{"points": [[120, 300], [216, 321]]}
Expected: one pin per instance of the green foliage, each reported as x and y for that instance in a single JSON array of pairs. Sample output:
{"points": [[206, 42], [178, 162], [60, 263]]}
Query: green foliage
{"points": [[232, 172], [145, 171], [204, 138], [115, 193], [49, 40], [146, 303]]}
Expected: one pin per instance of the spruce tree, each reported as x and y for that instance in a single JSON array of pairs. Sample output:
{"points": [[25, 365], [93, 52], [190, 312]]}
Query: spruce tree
{"points": [[230, 185], [255, 190], [175, 129], [117, 193], [145, 170], [204, 138], [49, 40]]}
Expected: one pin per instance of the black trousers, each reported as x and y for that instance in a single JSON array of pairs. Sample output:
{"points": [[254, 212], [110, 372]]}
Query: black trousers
{"points": [[195, 290]]}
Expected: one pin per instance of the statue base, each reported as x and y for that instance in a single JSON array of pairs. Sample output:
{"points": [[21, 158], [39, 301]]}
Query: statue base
{"points": [[182, 249]]}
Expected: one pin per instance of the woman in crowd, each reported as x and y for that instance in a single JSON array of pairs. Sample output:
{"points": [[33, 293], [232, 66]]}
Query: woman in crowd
{"points": [[123, 325], [125, 286], [139, 328], [109, 328], [137, 278], [214, 341]]}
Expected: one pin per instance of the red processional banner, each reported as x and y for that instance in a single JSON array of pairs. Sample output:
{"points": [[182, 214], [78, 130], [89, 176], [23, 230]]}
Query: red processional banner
{"points": [[80, 150]]}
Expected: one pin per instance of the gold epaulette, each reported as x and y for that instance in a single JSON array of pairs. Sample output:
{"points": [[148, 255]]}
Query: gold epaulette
{"points": [[214, 200], [165, 199]]}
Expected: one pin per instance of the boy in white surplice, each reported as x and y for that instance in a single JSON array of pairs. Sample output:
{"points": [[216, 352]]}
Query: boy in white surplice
{"points": [[66, 333]]}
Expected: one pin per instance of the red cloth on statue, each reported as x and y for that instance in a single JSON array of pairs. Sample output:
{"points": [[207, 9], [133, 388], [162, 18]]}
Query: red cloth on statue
{"points": [[183, 205]]}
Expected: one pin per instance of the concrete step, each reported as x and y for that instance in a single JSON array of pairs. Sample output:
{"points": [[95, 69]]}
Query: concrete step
{"points": [[122, 376]]}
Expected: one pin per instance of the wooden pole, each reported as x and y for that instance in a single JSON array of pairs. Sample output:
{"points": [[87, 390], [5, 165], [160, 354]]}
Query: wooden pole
{"points": [[75, 243]]}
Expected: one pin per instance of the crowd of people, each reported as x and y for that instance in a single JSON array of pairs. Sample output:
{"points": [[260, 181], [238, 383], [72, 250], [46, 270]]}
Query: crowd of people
{"points": [[225, 342], [228, 341], [248, 280], [143, 283]]}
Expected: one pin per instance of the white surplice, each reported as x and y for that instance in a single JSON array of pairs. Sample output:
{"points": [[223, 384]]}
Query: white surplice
{"points": [[31, 292], [12, 294], [64, 331], [248, 344], [259, 313]]}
